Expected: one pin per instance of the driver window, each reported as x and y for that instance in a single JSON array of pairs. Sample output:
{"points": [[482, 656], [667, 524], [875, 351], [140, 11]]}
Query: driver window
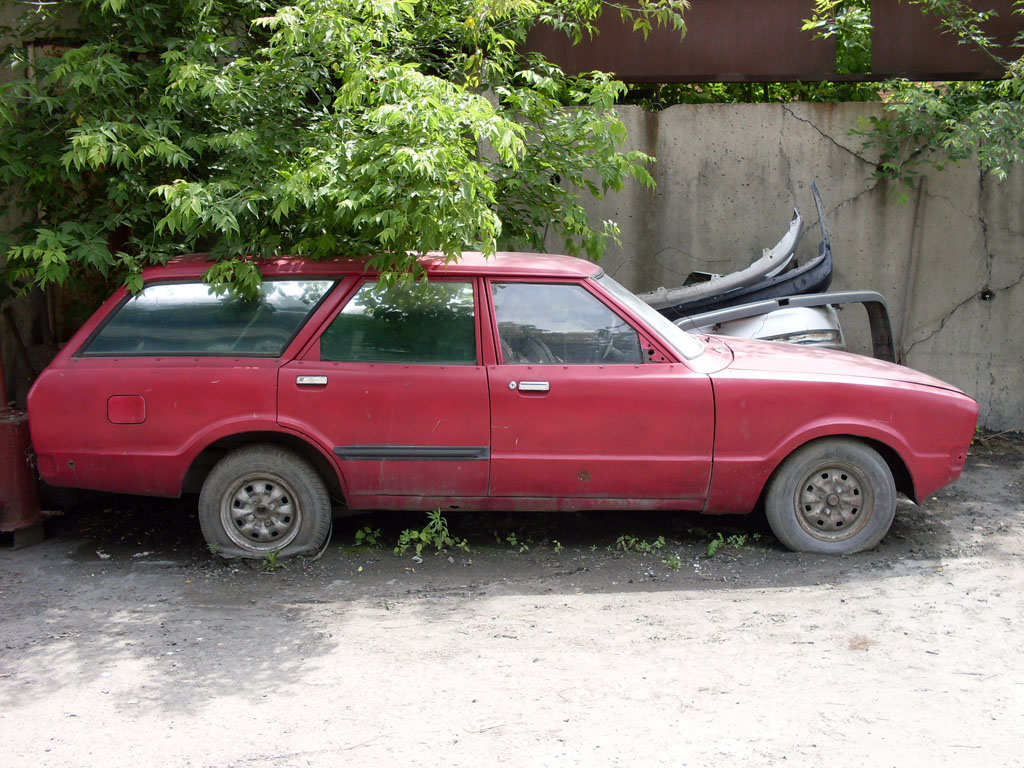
{"points": [[552, 324]]}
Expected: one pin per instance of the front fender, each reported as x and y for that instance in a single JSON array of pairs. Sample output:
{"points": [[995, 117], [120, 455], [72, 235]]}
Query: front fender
{"points": [[737, 480], [762, 422]]}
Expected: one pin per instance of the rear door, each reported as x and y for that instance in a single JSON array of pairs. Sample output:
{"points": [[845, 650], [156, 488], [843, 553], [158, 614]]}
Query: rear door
{"points": [[578, 410], [393, 385]]}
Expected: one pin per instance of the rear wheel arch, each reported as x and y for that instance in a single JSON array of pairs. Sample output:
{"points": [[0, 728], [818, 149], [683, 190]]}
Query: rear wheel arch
{"points": [[207, 458]]}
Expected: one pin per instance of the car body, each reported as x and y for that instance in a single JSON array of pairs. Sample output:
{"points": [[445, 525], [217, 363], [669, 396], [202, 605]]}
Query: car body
{"points": [[515, 382]]}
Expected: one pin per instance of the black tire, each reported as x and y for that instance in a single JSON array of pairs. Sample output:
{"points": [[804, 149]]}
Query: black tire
{"points": [[262, 500], [834, 496]]}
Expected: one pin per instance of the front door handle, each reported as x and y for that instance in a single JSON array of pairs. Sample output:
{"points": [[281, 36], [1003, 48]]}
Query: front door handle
{"points": [[311, 381], [534, 386]]}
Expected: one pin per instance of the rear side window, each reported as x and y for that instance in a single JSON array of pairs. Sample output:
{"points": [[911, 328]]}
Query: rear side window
{"points": [[419, 323], [190, 319]]}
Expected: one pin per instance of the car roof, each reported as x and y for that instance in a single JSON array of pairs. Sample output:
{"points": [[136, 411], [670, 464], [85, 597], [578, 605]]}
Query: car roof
{"points": [[501, 264]]}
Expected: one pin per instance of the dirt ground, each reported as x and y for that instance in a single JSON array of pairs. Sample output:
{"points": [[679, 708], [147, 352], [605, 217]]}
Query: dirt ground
{"points": [[123, 642]]}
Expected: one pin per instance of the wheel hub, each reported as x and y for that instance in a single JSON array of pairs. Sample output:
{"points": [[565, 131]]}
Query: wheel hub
{"points": [[260, 513], [832, 503]]}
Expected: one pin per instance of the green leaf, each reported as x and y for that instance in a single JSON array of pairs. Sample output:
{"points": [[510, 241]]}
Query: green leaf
{"points": [[342, 128]]}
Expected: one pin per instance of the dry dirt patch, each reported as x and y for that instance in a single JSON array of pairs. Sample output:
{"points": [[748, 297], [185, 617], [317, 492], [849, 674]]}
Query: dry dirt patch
{"points": [[124, 642]]}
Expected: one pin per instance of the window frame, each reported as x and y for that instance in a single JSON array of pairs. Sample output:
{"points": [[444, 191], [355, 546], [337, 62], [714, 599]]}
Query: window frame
{"points": [[82, 351], [312, 351], [642, 333]]}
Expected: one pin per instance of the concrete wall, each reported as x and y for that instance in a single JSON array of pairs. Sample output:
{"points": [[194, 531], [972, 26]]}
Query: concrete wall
{"points": [[728, 177]]}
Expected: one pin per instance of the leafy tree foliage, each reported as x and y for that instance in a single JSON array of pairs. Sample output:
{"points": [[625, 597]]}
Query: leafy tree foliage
{"points": [[939, 122], [135, 130], [848, 22], [658, 96]]}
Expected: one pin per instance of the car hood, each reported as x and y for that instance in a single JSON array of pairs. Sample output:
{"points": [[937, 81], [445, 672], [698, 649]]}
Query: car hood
{"points": [[782, 358]]}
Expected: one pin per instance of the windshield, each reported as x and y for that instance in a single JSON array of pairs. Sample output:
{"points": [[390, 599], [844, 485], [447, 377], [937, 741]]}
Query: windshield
{"points": [[682, 342]]}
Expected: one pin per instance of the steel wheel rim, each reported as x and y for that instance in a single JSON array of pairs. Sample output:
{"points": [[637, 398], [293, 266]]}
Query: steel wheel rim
{"points": [[833, 502], [261, 512]]}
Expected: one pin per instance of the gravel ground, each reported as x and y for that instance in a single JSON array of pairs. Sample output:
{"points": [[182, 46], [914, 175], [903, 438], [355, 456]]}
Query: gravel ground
{"points": [[125, 643]]}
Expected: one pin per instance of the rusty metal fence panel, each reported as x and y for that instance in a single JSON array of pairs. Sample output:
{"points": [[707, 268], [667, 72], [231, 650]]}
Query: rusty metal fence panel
{"points": [[907, 43], [761, 41], [727, 40]]}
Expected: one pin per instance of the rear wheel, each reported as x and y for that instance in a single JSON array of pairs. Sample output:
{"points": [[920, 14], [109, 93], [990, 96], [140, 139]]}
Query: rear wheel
{"points": [[262, 500], [833, 496]]}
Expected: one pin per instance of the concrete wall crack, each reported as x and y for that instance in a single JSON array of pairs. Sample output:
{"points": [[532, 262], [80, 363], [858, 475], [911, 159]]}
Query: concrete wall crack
{"points": [[984, 229], [985, 294], [955, 207], [831, 212], [825, 136]]}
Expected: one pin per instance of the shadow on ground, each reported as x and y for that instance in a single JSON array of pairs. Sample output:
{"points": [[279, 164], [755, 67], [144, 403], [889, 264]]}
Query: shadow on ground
{"points": [[131, 580]]}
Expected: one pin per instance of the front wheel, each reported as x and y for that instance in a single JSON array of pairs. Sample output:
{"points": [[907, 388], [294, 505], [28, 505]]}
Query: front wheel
{"points": [[834, 496], [263, 500]]}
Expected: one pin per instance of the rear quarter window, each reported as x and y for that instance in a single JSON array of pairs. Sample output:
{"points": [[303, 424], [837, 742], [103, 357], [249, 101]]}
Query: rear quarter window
{"points": [[191, 319]]}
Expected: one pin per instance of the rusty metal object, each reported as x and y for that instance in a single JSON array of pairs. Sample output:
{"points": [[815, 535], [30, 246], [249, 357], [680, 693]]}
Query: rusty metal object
{"points": [[19, 491], [20, 514], [727, 40], [756, 41], [3, 388], [906, 42]]}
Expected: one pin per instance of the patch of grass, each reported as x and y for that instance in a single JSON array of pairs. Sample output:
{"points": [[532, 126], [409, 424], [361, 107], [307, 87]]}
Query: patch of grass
{"points": [[271, 563], [514, 541], [434, 534], [673, 562], [627, 543], [736, 540], [368, 537]]}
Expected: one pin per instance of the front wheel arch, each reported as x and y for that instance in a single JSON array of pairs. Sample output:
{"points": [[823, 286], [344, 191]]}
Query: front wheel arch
{"points": [[833, 495], [900, 473]]}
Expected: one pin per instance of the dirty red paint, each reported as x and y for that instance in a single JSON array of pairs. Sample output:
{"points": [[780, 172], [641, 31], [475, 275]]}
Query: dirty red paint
{"points": [[671, 433]]}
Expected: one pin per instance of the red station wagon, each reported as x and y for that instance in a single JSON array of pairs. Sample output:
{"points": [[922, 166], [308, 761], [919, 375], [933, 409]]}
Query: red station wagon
{"points": [[517, 382]]}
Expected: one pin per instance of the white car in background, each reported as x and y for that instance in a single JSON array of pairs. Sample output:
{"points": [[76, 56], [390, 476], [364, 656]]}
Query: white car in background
{"points": [[775, 298]]}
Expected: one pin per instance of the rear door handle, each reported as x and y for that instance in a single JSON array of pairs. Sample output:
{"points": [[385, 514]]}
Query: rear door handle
{"points": [[311, 381], [534, 386]]}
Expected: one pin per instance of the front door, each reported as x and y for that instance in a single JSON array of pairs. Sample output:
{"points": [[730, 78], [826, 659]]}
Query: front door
{"points": [[577, 410], [394, 387]]}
